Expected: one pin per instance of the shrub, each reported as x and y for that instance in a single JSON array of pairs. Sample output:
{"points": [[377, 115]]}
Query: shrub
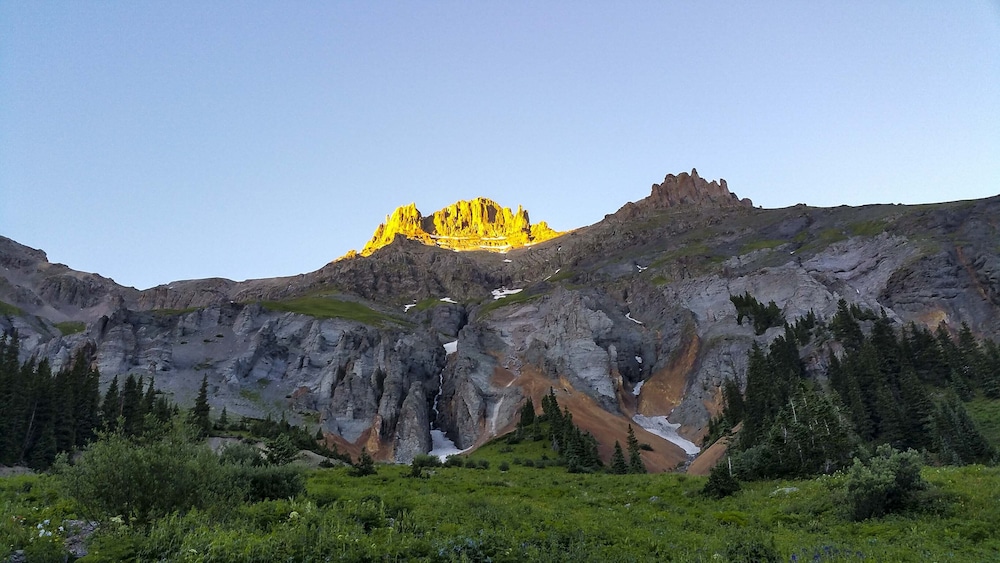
{"points": [[751, 546], [117, 476], [241, 453], [365, 465], [885, 483], [504, 466], [720, 483]]}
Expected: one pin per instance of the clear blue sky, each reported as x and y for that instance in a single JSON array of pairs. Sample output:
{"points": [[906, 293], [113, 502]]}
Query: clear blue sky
{"points": [[157, 141]]}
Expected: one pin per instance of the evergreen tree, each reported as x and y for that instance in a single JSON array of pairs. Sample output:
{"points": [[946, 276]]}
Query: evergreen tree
{"points": [[223, 423], [845, 327], [635, 464], [527, 414], [199, 415], [111, 406], [365, 465], [131, 406], [618, 464]]}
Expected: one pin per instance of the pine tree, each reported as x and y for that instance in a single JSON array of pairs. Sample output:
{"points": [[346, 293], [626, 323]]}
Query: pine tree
{"points": [[618, 464], [199, 415], [131, 402], [527, 414], [111, 406], [223, 422], [365, 465], [635, 464]]}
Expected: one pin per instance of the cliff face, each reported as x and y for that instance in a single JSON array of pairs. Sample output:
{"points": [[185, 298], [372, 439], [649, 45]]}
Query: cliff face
{"points": [[478, 224], [622, 319]]}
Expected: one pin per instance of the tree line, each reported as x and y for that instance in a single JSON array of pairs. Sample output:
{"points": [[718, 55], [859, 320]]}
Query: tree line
{"points": [[902, 387]]}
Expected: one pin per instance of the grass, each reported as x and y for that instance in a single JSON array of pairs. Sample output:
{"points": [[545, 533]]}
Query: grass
{"points": [[986, 413], [10, 310], [173, 312], [760, 245], [867, 228], [328, 308], [522, 297], [71, 327], [535, 512]]}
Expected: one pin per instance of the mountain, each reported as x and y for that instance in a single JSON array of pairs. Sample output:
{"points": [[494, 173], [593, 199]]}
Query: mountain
{"points": [[628, 320], [478, 224]]}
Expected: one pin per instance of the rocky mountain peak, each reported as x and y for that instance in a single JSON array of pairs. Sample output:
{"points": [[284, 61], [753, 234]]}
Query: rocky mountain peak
{"points": [[477, 224], [686, 189]]}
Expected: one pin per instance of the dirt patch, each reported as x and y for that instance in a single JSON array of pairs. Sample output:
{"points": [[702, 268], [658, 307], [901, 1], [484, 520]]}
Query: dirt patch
{"points": [[605, 426], [664, 390], [708, 458]]}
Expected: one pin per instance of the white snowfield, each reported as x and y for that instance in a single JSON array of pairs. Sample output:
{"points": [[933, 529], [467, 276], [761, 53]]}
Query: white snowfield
{"points": [[667, 430], [637, 388], [451, 347], [442, 447], [502, 292], [448, 300], [639, 359], [629, 317], [409, 306]]}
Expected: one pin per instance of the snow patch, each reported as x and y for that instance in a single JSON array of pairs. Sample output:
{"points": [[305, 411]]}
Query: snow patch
{"points": [[638, 359], [638, 387], [409, 306], [629, 317], [442, 446], [507, 260], [451, 347], [667, 430], [641, 269], [502, 292], [448, 300], [547, 278]]}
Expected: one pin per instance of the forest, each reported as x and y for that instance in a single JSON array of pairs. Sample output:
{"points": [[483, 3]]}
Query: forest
{"points": [[886, 451]]}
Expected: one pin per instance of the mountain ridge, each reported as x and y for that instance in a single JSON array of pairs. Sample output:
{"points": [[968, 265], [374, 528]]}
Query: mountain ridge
{"points": [[639, 297]]}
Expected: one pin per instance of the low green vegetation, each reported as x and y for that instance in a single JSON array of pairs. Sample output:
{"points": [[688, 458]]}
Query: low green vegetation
{"points": [[515, 299], [760, 245], [173, 312], [249, 509], [866, 228], [71, 327], [7, 309], [328, 307]]}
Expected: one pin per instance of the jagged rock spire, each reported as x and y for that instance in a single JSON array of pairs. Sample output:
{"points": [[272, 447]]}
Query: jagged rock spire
{"points": [[478, 224]]}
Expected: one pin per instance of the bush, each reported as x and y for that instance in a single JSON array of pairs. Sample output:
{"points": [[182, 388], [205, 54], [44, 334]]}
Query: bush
{"points": [[504, 466], [751, 546], [365, 465], [887, 482], [241, 453], [117, 476], [720, 482], [269, 482]]}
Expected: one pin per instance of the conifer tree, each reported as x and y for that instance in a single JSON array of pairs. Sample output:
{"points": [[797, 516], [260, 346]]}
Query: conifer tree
{"points": [[111, 406], [200, 412], [527, 414], [635, 464], [618, 464]]}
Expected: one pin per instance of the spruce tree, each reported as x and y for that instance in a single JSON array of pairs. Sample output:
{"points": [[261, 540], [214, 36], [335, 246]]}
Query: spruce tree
{"points": [[111, 406], [635, 464], [618, 464], [199, 415], [527, 414]]}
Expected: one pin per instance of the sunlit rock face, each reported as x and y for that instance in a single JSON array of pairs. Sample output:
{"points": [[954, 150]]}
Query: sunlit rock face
{"points": [[478, 224]]}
